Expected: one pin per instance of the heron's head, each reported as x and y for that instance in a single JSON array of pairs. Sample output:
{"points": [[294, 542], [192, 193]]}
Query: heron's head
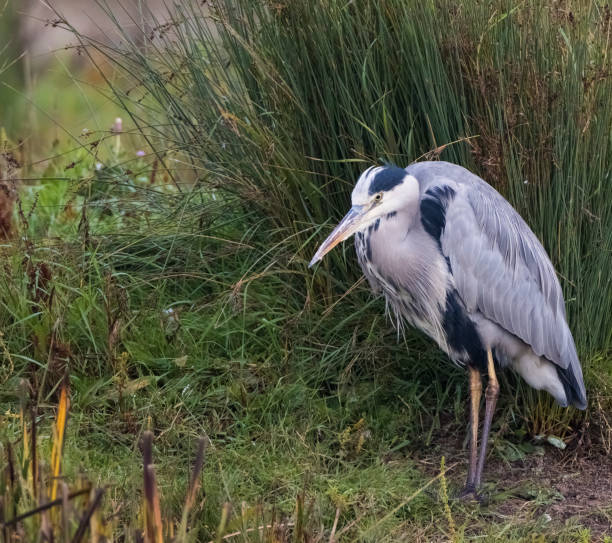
{"points": [[379, 191]]}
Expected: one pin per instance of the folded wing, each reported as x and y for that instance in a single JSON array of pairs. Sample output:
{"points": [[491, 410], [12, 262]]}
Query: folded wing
{"points": [[502, 271]]}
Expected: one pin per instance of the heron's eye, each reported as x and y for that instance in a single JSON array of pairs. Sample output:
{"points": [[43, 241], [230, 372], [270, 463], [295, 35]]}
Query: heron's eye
{"points": [[378, 197]]}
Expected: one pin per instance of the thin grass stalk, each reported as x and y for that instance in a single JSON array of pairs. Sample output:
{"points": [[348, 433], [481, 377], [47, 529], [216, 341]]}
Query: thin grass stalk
{"points": [[298, 531], [151, 506], [194, 486], [65, 510], [223, 522], [87, 515], [33, 449], [44, 507], [58, 437], [5, 532]]}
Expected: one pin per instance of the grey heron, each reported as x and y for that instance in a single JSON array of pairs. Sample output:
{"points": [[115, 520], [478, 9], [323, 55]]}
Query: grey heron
{"points": [[454, 259]]}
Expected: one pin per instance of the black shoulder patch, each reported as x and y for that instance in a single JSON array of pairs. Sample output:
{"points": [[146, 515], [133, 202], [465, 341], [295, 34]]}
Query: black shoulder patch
{"points": [[433, 209], [461, 333], [386, 178]]}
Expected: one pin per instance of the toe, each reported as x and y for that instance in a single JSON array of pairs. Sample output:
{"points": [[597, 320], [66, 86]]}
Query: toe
{"points": [[469, 494]]}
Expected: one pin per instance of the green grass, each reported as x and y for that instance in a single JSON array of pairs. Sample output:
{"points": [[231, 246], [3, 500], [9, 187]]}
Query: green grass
{"points": [[173, 288]]}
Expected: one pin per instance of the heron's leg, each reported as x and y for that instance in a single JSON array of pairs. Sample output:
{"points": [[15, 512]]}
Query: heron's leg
{"points": [[491, 394], [475, 394]]}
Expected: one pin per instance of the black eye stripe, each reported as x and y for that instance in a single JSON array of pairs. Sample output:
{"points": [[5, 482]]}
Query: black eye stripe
{"points": [[385, 178]]}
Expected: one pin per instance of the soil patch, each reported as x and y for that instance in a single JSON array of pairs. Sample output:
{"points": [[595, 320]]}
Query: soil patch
{"points": [[551, 485]]}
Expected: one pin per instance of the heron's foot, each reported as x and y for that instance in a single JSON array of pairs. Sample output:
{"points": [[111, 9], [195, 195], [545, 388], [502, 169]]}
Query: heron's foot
{"points": [[468, 494]]}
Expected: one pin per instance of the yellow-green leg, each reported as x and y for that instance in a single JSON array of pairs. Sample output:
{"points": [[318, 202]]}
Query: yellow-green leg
{"points": [[491, 394], [475, 395]]}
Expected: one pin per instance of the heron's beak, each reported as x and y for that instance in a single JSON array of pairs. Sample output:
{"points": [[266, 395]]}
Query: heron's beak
{"points": [[345, 229]]}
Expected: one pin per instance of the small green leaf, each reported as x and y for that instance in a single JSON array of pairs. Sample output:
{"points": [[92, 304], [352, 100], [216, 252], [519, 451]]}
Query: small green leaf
{"points": [[556, 442]]}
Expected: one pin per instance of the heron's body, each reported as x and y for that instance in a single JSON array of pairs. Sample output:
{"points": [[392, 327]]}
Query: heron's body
{"points": [[469, 290], [454, 259]]}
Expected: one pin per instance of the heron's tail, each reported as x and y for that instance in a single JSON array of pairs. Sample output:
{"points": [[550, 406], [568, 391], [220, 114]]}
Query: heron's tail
{"points": [[575, 393]]}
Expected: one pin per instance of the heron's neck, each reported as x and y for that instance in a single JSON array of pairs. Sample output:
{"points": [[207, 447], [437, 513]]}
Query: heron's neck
{"points": [[399, 223]]}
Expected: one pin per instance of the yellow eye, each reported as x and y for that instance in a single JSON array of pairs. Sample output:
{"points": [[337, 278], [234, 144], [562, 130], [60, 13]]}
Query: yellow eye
{"points": [[378, 197]]}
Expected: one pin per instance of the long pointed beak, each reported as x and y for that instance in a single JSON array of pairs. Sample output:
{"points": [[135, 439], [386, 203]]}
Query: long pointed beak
{"points": [[345, 229]]}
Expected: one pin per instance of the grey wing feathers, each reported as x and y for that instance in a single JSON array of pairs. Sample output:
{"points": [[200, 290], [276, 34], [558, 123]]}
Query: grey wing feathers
{"points": [[501, 269]]}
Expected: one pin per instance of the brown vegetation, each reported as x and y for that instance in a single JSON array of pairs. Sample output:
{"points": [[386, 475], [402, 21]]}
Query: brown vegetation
{"points": [[9, 166]]}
